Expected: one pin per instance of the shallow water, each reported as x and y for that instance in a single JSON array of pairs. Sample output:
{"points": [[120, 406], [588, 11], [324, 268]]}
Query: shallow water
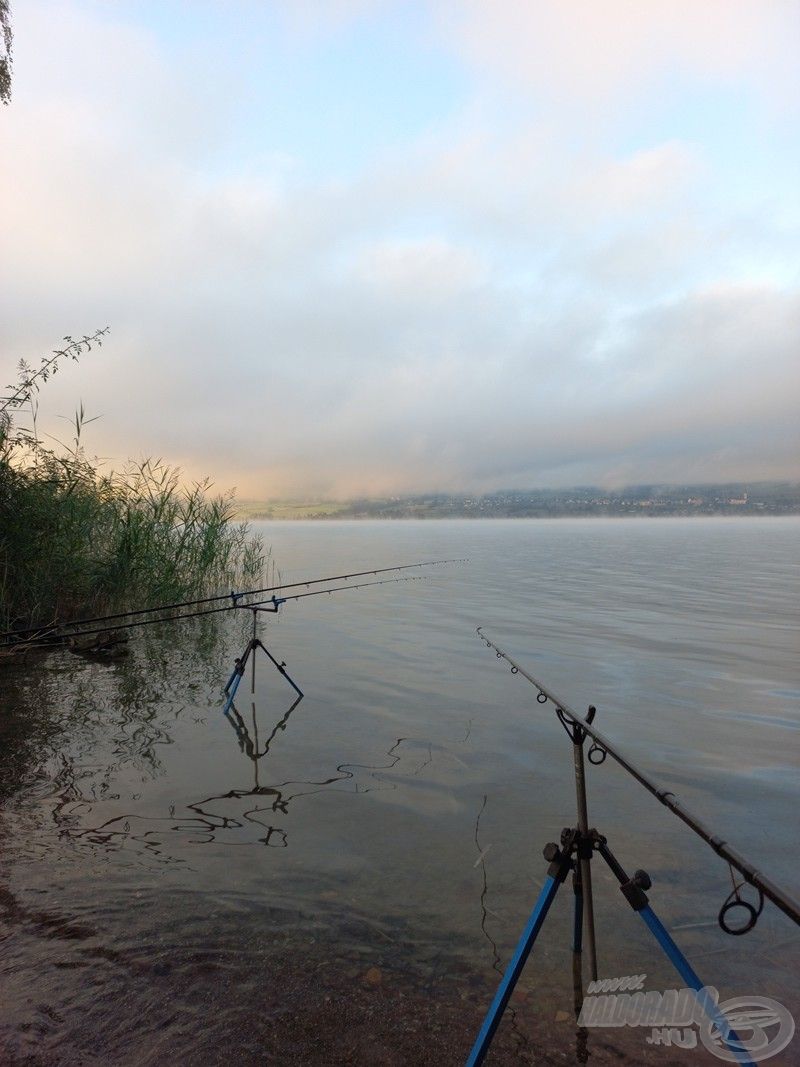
{"points": [[167, 893]]}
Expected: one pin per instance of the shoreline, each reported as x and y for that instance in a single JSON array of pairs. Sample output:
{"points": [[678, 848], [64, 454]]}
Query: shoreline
{"points": [[637, 516]]}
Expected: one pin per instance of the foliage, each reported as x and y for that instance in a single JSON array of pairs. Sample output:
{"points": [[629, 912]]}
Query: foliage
{"points": [[5, 60], [77, 541], [31, 380]]}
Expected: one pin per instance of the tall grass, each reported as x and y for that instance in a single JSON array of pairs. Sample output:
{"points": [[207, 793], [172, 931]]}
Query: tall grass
{"points": [[77, 541]]}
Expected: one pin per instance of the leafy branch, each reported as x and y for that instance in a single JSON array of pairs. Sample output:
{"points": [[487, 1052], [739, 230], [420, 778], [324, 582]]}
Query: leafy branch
{"points": [[6, 60], [31, 379]]}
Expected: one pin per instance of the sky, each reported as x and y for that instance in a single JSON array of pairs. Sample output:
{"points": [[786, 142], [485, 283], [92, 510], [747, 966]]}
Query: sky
{"points": [[353, 247]]}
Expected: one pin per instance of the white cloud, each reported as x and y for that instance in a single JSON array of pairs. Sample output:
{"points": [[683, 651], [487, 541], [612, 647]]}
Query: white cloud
{"points": [[488, 306], [595, 54], [431, 270]]}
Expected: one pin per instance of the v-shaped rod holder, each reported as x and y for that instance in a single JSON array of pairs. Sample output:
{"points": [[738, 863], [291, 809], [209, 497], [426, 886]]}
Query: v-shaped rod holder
{"points": [[250, 654]]}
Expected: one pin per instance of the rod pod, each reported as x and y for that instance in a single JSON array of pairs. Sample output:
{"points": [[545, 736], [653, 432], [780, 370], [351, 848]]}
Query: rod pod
{"points": [[250, 651], [562, 860], [602, 746]]}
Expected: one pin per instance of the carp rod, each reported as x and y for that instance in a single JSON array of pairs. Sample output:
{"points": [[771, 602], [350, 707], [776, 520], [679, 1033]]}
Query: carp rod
{"points": [[42, 635], [272, 601], [602, 746]]}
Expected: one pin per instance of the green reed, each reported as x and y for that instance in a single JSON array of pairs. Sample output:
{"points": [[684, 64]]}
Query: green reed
{"points": [[75, 540]]}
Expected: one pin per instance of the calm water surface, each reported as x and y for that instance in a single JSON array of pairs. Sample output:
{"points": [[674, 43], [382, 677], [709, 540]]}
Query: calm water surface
{"points": [[174, 887]]}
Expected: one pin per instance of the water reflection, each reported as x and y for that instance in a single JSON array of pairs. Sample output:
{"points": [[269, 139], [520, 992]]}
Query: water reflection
{"points": [[248, 744], [414, 757], [77, 787], [76, 732], [485, 911], [61, 702], [521, 1040], [205, 825]]}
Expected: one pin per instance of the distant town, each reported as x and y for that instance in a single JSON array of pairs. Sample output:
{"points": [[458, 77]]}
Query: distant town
{"points": [[754, 498]]}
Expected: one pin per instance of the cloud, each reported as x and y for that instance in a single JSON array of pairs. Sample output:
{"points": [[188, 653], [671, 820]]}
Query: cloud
{"points": [[594, 54], [418, 271], [488, 303]]}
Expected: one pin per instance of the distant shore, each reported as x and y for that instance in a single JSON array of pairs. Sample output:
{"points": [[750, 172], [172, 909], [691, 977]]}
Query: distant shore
{"points": [[495, 518], [736, 499]]}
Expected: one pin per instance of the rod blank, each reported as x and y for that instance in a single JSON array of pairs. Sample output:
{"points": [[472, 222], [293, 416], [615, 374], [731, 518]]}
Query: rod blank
{"points": [[56, 629], [788, 905], [51, 635]]}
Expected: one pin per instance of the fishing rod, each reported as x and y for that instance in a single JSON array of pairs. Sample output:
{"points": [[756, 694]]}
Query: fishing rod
{"points": [[10, 637], [602, 745], [578, 845], [47, 639]]}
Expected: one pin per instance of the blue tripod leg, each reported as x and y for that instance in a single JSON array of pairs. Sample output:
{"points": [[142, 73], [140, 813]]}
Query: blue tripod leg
{"points": [[557, 872], [232, 692], [633, 889], [513, 971], [690, 977], [236, 677]]}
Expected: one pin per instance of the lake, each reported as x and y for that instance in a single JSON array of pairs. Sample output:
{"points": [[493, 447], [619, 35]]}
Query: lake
{"points": [[343, 881]]}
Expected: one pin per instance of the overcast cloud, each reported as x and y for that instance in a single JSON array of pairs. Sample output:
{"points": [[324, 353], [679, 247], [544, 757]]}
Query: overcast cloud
{"points": [[375, 247]]}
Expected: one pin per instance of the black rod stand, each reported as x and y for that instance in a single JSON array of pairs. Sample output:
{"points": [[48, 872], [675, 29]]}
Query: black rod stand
{"points": [[584, 870], [241, 663]]}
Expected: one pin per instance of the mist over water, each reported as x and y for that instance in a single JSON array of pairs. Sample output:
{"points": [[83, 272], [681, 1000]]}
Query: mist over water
{"points": [[178, 884]]}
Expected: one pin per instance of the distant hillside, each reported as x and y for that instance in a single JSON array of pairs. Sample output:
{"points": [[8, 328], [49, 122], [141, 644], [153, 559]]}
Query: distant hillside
{"points": [[737, 498], [280, 509]]}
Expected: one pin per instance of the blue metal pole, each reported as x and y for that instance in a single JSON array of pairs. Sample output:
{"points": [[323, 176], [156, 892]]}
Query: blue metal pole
{"points": [[513, 971], [232, 693], [689, 976]]}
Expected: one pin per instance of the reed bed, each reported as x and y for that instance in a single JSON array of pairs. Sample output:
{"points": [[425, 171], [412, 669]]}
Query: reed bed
{"points": [[77, 541]]}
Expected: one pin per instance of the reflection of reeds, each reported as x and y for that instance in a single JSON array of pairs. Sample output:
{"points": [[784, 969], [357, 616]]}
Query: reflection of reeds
{"points": [[76, 704]]}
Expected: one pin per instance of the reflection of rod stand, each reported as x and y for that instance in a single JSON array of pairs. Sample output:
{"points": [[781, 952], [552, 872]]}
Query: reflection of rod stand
{"points": [[249, 745], [253, 645], [578, 845]]}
